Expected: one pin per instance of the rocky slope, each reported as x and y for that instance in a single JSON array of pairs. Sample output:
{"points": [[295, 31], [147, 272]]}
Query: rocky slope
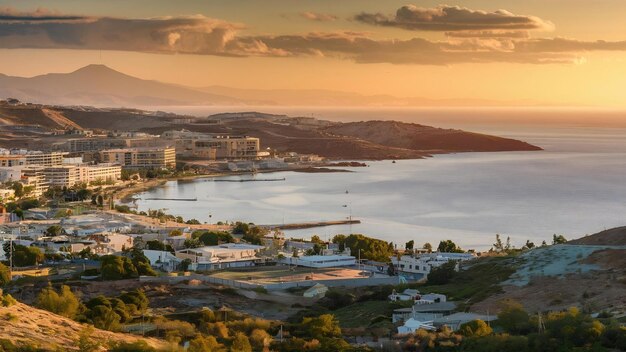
{"points": [[611, 237], [22, 324]]}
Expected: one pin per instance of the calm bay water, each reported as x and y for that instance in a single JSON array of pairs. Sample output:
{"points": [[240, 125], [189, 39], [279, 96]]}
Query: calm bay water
{"points": [[576, 186]]}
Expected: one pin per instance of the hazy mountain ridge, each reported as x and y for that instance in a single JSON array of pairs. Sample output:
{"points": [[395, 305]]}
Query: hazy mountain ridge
{"points": [[99, 85]]}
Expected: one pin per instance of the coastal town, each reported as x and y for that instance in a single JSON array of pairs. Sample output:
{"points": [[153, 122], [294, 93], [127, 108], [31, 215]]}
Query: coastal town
{"points": [[158, 281]]}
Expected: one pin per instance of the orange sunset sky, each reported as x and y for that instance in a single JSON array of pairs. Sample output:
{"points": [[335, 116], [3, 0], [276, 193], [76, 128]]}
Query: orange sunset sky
{"points": [[553, 52]]}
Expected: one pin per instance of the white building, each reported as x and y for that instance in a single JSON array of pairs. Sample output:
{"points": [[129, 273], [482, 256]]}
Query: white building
{"points": [[412, 325], [226, 255], [320, 261], [406, 295], [422, 264], [162, 260]]}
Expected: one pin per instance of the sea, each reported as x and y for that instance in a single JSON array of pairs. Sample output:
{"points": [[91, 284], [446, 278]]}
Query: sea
{"points": [[574, 187]]}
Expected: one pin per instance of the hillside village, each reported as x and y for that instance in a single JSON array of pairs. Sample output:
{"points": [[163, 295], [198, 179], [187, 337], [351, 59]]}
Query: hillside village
{"points": [[75, 253]]}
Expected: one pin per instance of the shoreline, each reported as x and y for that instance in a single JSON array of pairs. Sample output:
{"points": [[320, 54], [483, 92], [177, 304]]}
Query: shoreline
{"points": [[126, 194]]}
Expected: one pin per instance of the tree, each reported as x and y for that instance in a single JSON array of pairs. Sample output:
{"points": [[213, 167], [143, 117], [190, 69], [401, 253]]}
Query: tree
{"points": [[323, 326], [260, 339], [427, 246], [240, 343], [513, 318], [409, 245], [175, 233], [529, 245], [475, 328], [498, 246], [26, 256], [55, 230], [117, 268], [205, 344], [369, 248], [255, 235], [448, 246], [5, 275], [184, 265], [316, 239], [105, 318], [241, 228], [341, 241], [83, 194], [560, 239], [64, 303], [442, 274]]}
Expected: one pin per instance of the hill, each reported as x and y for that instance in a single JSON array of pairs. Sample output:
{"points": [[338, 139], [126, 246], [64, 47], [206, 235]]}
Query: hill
{"points": [[99, 85], [373, 140], [23, 324], [425, 138], [611, 237]]}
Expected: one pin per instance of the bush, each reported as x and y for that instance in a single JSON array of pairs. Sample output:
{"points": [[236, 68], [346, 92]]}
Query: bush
{"points": [[5, 275], [138, 346], [241, 343], [64, 303], [443, 274]]}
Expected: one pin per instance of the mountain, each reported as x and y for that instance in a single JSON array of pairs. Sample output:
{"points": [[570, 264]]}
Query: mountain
{"points": [[101, 86]]}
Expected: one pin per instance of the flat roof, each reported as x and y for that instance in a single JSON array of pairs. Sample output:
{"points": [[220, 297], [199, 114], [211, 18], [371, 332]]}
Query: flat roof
{"points": [[321, 258]]}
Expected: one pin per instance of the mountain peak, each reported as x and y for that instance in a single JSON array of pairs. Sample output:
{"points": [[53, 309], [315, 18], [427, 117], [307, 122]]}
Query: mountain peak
{"points": [[96, 69]]}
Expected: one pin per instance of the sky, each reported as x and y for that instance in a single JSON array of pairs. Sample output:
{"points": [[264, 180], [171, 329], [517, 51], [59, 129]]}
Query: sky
{"points": [[552, 52]]}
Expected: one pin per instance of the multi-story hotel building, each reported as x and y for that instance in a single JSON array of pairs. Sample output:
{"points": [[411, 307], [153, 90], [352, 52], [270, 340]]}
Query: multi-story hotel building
{"points": [[69, 175], [141, 158], [211, 146], [21, 157]]}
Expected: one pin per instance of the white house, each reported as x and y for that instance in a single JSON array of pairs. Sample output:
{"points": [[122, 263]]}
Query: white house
{"points": [[410, 326], [406, 295], [225, 255], [422, 264], [163, 260]]}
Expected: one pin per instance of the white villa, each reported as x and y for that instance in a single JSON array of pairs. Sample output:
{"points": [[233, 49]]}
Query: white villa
{"points": [[422, 264], [228, 255]]}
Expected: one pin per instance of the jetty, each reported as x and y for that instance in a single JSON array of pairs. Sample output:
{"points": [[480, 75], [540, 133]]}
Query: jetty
{"points": [[307, 225], [175, 199], [253, 180]]}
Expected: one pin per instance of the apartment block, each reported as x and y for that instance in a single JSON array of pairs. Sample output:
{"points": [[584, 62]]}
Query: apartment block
{"points": [[141, 158], [212, 146]]}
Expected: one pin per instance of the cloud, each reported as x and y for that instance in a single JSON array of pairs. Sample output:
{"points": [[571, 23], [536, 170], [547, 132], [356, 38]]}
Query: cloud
{"points": [[488, 34], [320, 17], [200, 35], [184, 34], [8, 14], [453, 18]]}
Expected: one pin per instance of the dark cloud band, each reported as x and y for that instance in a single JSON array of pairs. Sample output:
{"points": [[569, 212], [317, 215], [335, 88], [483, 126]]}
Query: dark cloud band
{"points": [[199, 35], [453, 18]]}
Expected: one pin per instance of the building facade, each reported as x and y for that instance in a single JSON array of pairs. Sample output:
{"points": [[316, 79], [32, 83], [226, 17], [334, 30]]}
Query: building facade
{"points": [[212, 146], [140, 158]]}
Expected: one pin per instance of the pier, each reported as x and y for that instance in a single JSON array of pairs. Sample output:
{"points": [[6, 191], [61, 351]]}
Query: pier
{"points": [[175, 199], [254, 180], [307, 225]]}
